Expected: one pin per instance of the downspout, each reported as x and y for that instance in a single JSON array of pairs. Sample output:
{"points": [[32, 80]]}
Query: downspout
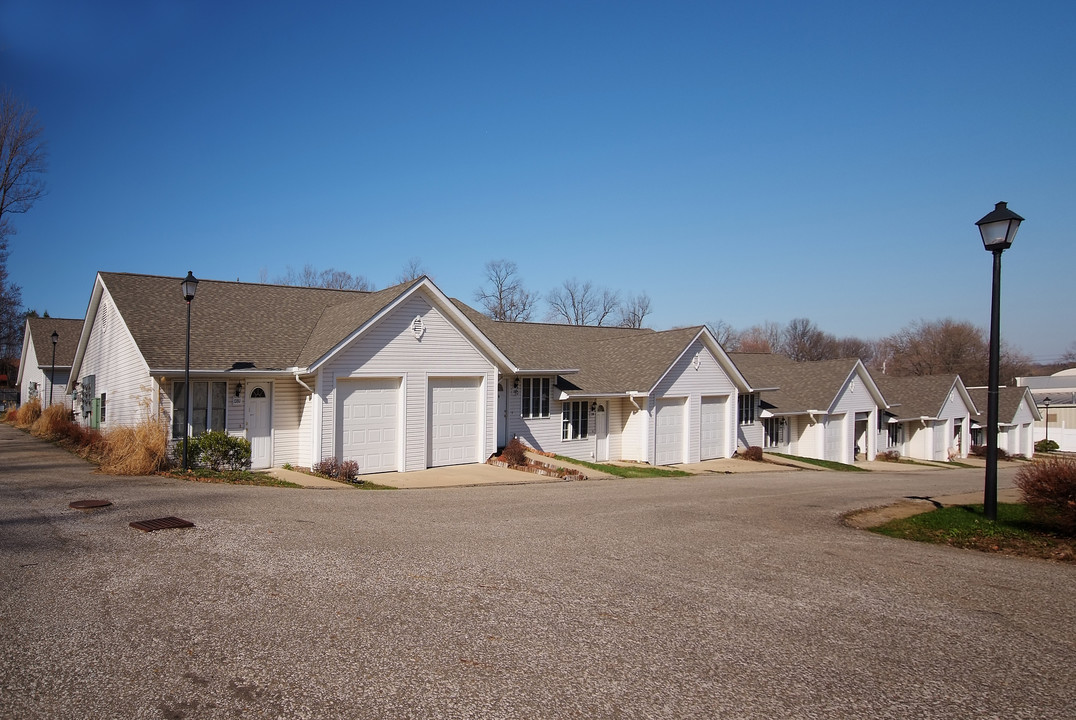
{"points": [[631, 397], [308, 388]]}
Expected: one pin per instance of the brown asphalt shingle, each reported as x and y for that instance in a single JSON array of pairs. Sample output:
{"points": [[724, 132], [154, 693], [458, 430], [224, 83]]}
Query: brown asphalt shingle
{"points": [[68, 330], [916, 396], [272, 327], [802, 386], [609, 359], [1009, 399]]}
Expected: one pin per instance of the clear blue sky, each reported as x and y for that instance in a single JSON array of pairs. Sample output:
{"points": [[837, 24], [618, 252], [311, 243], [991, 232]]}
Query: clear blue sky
{"points": [[737, 161]]}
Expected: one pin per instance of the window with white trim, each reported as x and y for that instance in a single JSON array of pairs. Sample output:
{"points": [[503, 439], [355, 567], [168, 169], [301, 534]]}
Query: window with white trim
{"points": [[747, 409], [534, 400], [209, 401], [575, 420]]}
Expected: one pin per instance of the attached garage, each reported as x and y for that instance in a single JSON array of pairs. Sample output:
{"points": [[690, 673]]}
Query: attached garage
{"points": [[670, 431], [712, 426], [835, 432], [455, 421], [369, 423]]}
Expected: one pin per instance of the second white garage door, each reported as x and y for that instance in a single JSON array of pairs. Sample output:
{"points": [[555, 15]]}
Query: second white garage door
{"points": [[712, 426], [670, 431], [454, 421], [369, 424]]}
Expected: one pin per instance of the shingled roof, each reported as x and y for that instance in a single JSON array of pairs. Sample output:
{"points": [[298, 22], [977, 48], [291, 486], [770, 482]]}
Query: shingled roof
{"points": [[593, 360], [67, 330], [1009, 399], [802, 386], [917, 396], [249, 325]]}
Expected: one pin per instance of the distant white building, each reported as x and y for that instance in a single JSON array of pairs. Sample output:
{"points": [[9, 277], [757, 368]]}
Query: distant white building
{"points": [[1058, 391]]}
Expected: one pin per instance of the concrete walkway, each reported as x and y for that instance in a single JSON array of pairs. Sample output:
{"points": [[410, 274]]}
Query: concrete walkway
{"points": [[451, 476]]}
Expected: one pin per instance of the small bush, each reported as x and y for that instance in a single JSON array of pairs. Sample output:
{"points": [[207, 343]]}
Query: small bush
{"points": [[217, 450], [28, 413], [753, 453], [1049, 489], [138, 450], [11, 416], [349, 470], [514, 453], [980, 451], [889, 456], [1045, 446], [329, 467]]}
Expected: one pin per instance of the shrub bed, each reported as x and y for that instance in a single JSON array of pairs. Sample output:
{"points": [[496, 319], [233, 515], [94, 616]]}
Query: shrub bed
{"points": [[1049, 489]]}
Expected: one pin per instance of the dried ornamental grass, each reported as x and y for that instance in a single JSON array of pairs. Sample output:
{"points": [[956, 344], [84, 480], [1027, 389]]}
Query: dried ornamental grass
{"points": [[138, 450], [54, 422], [28, 413]]}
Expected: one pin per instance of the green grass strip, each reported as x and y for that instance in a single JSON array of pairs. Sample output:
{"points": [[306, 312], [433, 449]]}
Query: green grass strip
{"points": [[625, 471], [827, 464]]}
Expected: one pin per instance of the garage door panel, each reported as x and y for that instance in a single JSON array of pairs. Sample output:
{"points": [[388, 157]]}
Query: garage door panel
{"points": [[669, 430], [454, 426], [712, 427], [369, 424]]}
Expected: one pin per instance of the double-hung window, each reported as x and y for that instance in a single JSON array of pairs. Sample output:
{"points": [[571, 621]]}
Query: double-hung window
{"points": [[747, 409], [773, 431], [534, 402], [896, 434], [575, 417], [208, 406]]}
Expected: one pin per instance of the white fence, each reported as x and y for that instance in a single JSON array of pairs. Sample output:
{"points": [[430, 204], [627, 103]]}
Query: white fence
{"points": [[1063, 436]]}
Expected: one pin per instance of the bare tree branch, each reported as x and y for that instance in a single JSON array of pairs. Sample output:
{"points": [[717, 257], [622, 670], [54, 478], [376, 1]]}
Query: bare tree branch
{"points": [[634, 311], [413, 270], [330, 278], [580, 303], [505, 298]]}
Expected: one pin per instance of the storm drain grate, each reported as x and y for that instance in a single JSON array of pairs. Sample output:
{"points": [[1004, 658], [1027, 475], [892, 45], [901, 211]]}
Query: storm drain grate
{"points": [[88, 504], [165, 523]]}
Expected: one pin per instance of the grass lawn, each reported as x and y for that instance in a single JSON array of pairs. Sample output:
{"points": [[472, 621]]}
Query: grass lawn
{"points": [[232, 477], [827, 464], [1016, 531], [626, 471]]}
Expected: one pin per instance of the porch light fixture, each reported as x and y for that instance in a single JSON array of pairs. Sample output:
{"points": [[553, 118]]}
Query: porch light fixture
{"points": [[189, 287], [998, 230], [52, 376]]}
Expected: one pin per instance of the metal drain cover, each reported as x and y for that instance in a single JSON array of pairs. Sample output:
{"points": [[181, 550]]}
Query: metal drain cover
{"points": [[88, 504], [165, 523]]}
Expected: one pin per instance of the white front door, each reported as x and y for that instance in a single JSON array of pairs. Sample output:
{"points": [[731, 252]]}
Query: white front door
{"points": [[259, 416], [601, 450]]}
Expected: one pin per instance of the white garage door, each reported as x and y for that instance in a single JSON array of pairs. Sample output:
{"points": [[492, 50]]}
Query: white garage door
{"points": [[835, 438], [712, 423], [670, 431], [454, 421], [369, 423]]}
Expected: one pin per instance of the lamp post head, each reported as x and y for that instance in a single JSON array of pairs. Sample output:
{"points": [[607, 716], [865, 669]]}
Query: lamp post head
{"points": [[1046, 401], [189, 285], [999, 227], [55, 338]]}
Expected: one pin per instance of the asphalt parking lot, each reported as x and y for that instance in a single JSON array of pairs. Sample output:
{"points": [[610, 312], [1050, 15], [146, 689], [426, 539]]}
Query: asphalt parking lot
{"points": [[718, 596]]}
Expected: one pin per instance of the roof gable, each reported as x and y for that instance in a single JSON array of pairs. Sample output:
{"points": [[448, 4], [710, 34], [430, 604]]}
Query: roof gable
{"points": [[803, 387], [922, 396], [1009, 400]]}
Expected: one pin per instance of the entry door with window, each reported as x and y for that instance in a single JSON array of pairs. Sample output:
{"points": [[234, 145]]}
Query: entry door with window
{"points": [[259, 412], [601, 450]]}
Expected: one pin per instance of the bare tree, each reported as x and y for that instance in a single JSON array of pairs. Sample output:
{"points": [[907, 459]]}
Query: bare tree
{"points": [[581, 303], [23, 161], [764, 338], [937, 348], [330, 278], [849, 347], [634, 310], [505, 298], [726, 335], [802, 340], [413, 270]]}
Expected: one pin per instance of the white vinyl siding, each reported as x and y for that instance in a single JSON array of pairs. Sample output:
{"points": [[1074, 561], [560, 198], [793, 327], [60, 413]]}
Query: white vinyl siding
{"points": [[854, 397], [121, 372], [291, 423], [390, 348]]}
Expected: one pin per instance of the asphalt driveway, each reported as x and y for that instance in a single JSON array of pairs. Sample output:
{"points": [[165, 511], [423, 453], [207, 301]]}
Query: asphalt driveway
{"points": [[712, 596]]}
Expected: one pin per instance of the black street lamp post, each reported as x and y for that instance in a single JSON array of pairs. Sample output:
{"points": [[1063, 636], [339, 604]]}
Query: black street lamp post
{"points": [[1046, 401], [189, 286], [52, 376], [998, 228]]}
